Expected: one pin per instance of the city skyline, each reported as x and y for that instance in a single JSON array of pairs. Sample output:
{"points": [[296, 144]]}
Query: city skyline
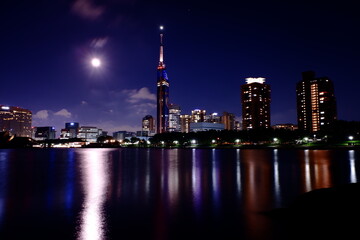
{"points": [[211, 49]]}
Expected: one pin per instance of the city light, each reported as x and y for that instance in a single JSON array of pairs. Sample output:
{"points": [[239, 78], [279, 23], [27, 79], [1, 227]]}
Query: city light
{"points": [[237, 141], [213, 141], [255, 80], [161, 27], [351, 138], [193, 141]]}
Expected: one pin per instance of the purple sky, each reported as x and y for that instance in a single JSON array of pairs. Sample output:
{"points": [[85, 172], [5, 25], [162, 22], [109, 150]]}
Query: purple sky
{"points": [[210, 48]]}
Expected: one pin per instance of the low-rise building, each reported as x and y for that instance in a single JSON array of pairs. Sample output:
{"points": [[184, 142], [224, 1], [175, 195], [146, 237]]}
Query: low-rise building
{"points": [[205, 126]]}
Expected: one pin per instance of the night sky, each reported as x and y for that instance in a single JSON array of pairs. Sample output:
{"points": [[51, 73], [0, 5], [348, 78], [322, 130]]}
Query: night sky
{"points": [[210, 48]]}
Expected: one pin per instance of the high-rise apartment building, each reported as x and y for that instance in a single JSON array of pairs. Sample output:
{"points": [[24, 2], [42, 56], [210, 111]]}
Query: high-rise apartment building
{"points": [[198, 115], [15, 120], [162, 93], [316, 103], [174, 118], [185, 121], [255, 99]]}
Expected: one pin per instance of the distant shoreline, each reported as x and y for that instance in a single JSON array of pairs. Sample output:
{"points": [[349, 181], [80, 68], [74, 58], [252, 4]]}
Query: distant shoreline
{"points": [[290, 147]]}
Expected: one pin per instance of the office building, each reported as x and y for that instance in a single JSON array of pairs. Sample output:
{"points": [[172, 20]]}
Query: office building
{"points": [[205, 126], [162, 120], [89, 134], [71, 130], [16, 121], [316, 103], [44, 133], [174, 118], [255, 99], [121, 135]]}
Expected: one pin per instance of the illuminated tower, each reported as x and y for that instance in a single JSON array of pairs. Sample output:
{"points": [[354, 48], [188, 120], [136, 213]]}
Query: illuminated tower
{"points": [[316, 103], [255, 99], [162, 92]]}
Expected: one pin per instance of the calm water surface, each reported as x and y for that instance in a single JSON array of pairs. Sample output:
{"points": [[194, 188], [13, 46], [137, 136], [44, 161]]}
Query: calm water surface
{"points": [[159, 193]]}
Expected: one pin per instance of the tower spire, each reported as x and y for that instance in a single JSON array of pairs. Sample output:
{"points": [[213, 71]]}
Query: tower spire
{"points": [[161, 59], [162, 123]]}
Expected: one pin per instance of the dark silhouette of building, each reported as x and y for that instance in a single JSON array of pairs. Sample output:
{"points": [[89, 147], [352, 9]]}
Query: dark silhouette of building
{"points": [[255, 99], [228, 119], [316, 103], [44, 133], [148, 125], [15, 120], [162, 93]]}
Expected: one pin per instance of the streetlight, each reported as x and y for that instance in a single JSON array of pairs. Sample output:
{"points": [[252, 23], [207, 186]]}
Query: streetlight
{"points": [[193, 141], [237, 141], [213, 141], [351, 138]]}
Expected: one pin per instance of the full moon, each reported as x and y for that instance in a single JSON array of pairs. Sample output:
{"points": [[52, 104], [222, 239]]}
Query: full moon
{"points": [[95, 62]]}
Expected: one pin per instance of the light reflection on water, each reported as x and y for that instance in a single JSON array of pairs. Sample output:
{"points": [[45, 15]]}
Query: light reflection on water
{"points": [[173, 178], [94, 171], [174, 192], [353, 178], [277, 188], [3, 179]]}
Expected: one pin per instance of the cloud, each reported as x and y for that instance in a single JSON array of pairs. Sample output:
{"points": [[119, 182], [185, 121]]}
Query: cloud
{"points": [[87, 9], [99, 42], [64, 113], [42, 114], [143, 108], [135, 96]]}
